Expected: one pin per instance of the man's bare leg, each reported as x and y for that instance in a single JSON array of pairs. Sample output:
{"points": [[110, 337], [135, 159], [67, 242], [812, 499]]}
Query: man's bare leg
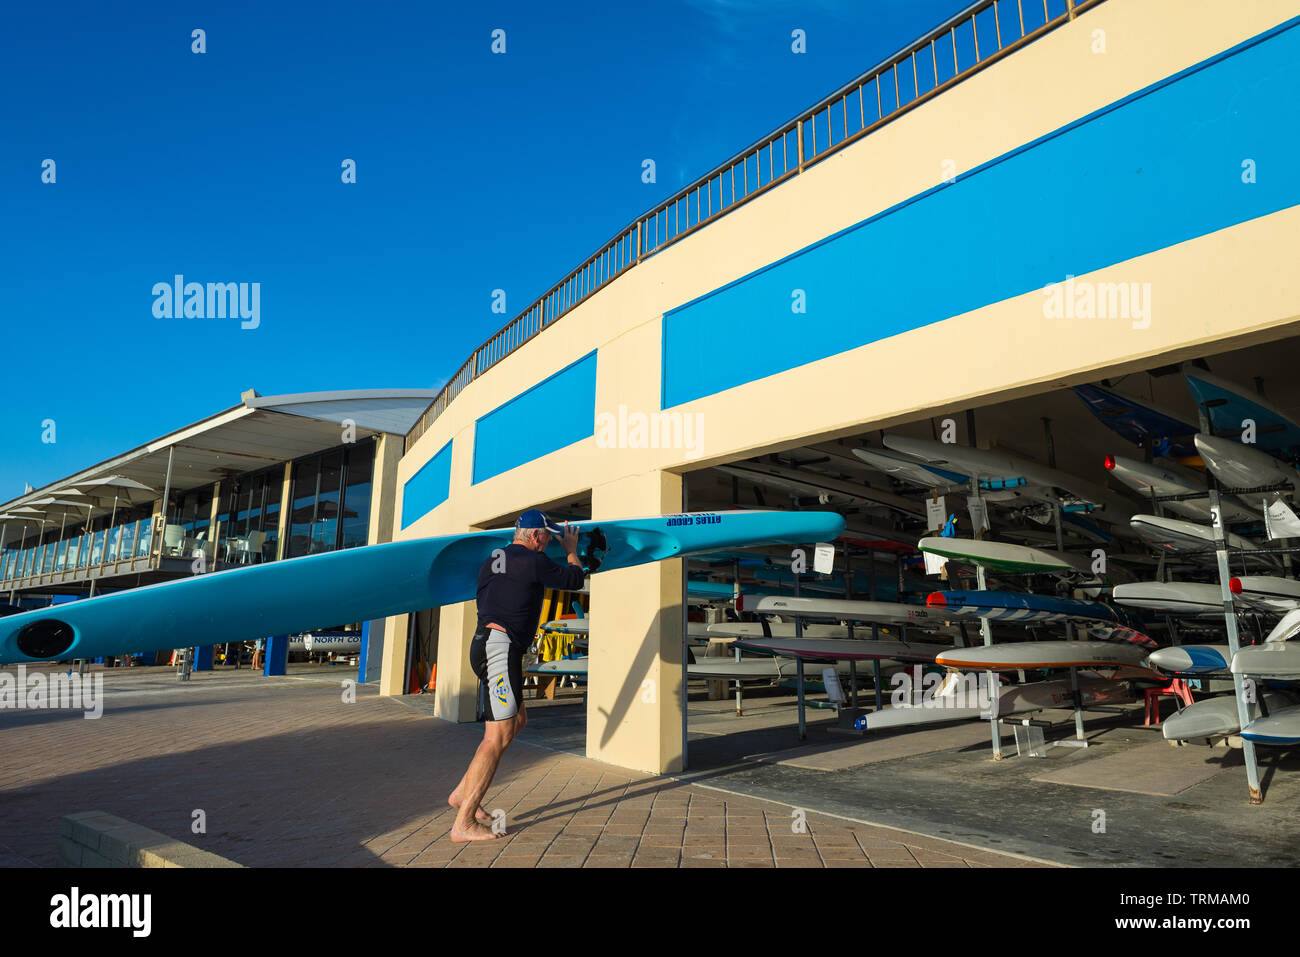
{"points": [[455, 800], [456, 797], [496, 737]]}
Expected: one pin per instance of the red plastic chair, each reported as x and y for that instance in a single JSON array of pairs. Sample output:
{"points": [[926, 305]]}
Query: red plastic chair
{"points": [[1178, 687]]}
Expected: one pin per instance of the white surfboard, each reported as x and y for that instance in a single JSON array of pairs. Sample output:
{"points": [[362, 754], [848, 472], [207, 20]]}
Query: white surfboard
{"points": [[845, 648], [703, 592], [816, 486], [1281, 727], [1177, 536], [582, 626], [1272, 659], [1025, 655], [1215, 716], [906, 716], [1150, 479], [1017, 699], [754, 669], [1001, 467], [779, 629], [1000, 556], [1266, 593], [715, 669], [841, 609], [1192, 599], [907, 469], [1241, 466], [1286, 629], [1191, 659], [1040, 695]]}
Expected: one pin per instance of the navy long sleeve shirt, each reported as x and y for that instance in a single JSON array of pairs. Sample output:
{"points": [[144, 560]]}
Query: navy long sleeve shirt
{"points": [[512, 595]]}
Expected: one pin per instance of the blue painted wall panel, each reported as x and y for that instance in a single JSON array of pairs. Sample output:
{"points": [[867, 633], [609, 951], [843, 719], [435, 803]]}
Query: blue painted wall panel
{"points": [[556, 412], [428, 488], [1160, 167]]}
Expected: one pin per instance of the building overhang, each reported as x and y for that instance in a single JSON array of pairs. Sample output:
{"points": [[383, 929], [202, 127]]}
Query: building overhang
{"points": [[261, 431]]}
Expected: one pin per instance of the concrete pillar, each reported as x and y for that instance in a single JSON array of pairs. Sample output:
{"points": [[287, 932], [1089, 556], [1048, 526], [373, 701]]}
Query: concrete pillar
{"points": [[392, 674], [455, 696], [286, 511], [157, 517], [634, 704], [212, 523], [383, 488], [383, 509]]}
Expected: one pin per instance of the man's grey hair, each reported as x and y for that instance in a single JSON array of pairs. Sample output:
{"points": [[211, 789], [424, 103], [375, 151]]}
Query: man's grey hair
{"points": [[527, 534]]}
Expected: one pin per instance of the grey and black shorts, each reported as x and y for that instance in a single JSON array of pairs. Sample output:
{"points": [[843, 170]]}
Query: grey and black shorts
{"points": [[500, 669]]}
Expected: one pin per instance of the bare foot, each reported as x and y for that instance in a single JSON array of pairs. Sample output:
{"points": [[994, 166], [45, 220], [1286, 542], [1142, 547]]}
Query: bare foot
{"points": [[475, 832], [479, 814]]}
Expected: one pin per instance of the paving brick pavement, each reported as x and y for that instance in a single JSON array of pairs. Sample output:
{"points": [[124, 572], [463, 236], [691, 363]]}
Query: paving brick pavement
{"points": [[286, 773]]}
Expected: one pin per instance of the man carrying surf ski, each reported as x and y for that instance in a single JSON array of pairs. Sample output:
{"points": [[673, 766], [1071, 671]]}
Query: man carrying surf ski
{"points": [[511, 584]]}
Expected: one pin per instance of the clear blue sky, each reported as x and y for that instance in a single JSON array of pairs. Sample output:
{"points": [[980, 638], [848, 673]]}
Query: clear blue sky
{"points": [[474, 172]]}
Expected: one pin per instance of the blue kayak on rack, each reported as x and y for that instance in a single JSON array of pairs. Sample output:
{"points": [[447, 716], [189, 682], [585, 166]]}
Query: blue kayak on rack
{"points": [[1017, 607], [1137, 420], [1230, 410]]}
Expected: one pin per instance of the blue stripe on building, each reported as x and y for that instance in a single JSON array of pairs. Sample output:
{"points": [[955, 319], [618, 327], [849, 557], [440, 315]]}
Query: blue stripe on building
{"points": [[1159, 167], [428, 488], [555, 413]]}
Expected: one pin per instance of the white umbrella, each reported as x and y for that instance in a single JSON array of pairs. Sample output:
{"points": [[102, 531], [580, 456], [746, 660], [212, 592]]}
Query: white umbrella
{"points": [[122, 489], [62, 506], [65, 501], [119, 486], [53, 504], [27, 516]]}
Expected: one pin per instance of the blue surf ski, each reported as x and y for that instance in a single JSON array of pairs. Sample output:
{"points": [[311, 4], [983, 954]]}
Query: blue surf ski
{"points": [[1229, 411], [1014, 606], [359, 584]]}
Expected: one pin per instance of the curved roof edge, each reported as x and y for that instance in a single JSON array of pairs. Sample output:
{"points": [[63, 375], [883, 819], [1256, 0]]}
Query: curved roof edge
{"points": [[381, 410]]}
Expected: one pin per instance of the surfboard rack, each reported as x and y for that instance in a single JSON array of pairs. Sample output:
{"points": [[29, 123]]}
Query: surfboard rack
{"points": [[1245, 490], [1030, 740], [1035, 747]]}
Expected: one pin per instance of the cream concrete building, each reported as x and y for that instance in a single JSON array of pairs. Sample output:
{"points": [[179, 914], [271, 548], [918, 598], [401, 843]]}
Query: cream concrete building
{"points": [[1114, 193]]}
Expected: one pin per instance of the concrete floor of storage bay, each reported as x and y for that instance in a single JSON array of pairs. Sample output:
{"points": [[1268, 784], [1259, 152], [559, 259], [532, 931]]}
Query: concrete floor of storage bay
{"points": [[962, 794]]}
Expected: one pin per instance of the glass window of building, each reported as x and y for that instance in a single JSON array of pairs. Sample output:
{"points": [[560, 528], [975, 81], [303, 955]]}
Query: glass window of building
{"points": [[331, 500], [249, 505], [303, 503], [272, 489], [226, 509], [183, 510], [325, 525], [249, 489], [194, 510], [202, 511], [356, 497]]}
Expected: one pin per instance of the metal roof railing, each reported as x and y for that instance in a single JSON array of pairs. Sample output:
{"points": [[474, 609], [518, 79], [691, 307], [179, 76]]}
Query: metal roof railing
{"points": [[983, 33]]}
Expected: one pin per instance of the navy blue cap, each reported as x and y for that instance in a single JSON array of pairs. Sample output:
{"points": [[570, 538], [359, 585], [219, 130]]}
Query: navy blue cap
{"points": [[535, 518]]}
